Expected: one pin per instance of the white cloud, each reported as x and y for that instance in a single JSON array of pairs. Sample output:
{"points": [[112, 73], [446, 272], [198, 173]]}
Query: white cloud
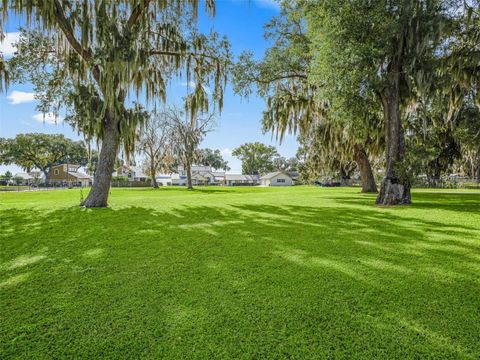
{"points": [[20, 97], [48, 118], [6, 46], [226, 152]]}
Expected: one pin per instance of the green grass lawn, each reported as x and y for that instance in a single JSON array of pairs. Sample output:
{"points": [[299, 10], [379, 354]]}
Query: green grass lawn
{"points": [[300, 272]]}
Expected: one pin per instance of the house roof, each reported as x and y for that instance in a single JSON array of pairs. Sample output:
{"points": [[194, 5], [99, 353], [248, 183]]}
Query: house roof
{"points": [[273, 174], [240, 177], [136, 170], [176, 176], [69, 165], [23, 175], [199, 176], [80, 175]]}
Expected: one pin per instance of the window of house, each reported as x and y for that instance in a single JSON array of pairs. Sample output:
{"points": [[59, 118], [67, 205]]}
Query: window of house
{"points": [[280, 180], [56, 172]]}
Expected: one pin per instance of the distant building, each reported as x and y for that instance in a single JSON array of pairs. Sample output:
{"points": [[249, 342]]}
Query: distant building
{"points": [[277, 178], [133, 173], [64, 174], [202, 175], [239, 179]]}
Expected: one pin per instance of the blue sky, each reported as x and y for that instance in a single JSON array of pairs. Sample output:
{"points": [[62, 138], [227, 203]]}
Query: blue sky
{"points": [[241, 20]]}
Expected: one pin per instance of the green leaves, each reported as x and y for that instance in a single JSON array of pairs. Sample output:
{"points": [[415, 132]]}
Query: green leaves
{"points": [[41, 151], [90, 56], [257, 158]]}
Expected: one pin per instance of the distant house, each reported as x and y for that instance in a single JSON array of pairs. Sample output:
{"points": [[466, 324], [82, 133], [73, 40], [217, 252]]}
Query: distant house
{"points": [[23, 178], [28, 178], [219, 177], [277, 178], [64, 174], [178, 179], [164, 179], [133, 173], [203, 175], [238, 180], [294, 175]]}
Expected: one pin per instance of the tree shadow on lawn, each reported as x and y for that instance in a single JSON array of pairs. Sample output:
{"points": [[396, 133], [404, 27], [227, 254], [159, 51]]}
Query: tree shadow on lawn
{"points": [[239, 280], [435, 200]]}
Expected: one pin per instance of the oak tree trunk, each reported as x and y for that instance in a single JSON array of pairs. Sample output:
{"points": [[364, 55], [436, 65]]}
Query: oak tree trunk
{"points": [[46, 172], [366, 174], [478, 172], [153, 174], [395, 188], [98, 195], [189, 176]]}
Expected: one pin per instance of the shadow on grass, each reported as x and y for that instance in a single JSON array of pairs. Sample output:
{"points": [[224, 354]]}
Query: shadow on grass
{"points": [[295, 281], [462, 202]]}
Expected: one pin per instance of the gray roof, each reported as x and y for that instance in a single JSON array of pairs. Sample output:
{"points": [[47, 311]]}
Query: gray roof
{"points": [[273, 174], [240, 177], [236, 177], [23, 175], [80, 175]]}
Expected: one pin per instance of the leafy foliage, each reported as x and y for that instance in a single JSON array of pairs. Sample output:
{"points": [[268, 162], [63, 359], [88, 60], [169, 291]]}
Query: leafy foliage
{"points": [[41, 151], [257, 158], [212, 158]]}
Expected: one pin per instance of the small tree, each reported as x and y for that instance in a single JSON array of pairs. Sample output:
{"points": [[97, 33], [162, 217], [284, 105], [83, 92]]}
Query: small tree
{"points": [[257, 158], [155, 143], [188, 133], [7, 176]]}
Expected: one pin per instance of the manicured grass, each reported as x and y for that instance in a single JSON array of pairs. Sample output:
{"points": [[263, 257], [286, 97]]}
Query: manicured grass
{"points": [[300, 272]]}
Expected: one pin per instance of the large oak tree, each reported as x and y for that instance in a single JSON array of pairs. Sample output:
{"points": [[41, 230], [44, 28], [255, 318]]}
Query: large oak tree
{"points": [[382, 48], [104, 54]]}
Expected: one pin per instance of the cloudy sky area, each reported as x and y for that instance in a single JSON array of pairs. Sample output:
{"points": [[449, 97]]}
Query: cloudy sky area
{"points": [[241, 20]]}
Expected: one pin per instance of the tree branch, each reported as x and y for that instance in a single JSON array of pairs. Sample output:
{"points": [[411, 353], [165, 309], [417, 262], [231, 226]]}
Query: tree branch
{"points": [[137, 11], [67, 30], [176, 53]]}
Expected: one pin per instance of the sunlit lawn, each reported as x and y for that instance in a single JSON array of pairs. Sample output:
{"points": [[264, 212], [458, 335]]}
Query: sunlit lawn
{"points": [[300, 272]]}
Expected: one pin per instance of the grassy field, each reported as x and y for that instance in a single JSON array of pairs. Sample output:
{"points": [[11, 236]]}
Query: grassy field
{"points": [[299, 272]]}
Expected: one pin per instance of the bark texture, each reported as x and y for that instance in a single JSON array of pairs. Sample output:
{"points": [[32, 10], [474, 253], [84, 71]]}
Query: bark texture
{"points": [[189, 176], [153, 174], [98, 196], [395, 189], [366, 175]]}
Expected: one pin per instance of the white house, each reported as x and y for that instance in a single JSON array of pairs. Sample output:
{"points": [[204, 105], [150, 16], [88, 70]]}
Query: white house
{"points": [[133, 173], [203, 175], [178, 179], [277, 178], [164, 179], [30, 178], [235, 180]]}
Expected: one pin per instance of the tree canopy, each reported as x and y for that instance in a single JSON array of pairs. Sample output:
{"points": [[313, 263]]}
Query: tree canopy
{"points": [[212, 158], [257, 158], [41, 151]]}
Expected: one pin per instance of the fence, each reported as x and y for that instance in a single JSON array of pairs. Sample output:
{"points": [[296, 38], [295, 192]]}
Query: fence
{"points": [[449, 182]]}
